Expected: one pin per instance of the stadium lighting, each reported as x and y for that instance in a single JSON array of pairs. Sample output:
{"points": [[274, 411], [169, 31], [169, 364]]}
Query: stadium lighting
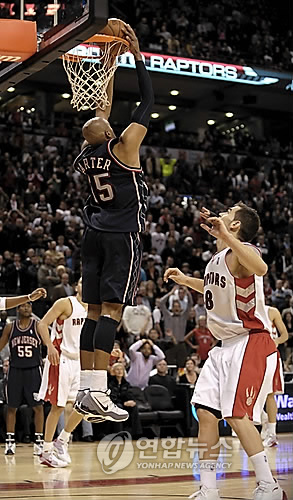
{"points": [[65, 95], [21, 108], [11, 89], [137, 103], [211, 122], [155, 115], [172, 107], [229, 114], [33, 109], [233, 129], [242, 125], [174, 92], [237, 127]]}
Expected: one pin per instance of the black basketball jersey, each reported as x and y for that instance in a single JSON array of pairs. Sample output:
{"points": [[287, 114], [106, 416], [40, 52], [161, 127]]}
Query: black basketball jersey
{"points": [[25, 346], [118, 192]]}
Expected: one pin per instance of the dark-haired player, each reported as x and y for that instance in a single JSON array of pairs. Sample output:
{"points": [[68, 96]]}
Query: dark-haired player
{"points": [[236, 377], [111, 250], [24, 377]]}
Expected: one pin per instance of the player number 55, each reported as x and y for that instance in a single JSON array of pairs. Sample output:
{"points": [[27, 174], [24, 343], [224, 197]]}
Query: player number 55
{"points": [[24, 351]]}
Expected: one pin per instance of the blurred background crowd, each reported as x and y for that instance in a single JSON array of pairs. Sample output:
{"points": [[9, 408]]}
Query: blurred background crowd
{"points": [[41, 201]]}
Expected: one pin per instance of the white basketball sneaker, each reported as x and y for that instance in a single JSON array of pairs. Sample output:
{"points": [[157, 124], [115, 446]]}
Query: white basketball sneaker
{"points": [[98, 404], [49, 459], [10, 447], [38, 448], [206, 494], [269, 491], [270, 441], [61, 450]]}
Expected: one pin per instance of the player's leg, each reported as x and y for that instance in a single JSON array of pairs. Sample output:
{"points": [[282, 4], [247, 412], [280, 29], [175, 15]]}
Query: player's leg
{"points": [[253, 362], [206, 399], [39, 428], [10, 431], [208, 450], [14, 391], [272, 410], [47, 457], [87, 349], [118, 282], [32, 379]]}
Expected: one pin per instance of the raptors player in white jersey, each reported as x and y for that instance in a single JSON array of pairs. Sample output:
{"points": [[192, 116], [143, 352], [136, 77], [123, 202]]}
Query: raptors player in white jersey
{"points": [[60, 383], [236, 377], [269, 419]]}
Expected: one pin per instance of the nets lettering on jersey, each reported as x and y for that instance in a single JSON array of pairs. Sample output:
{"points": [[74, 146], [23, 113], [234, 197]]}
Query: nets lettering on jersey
{"points": [[89, 69]]}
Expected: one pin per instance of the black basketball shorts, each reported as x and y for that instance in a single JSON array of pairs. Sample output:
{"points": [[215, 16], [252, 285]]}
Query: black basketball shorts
{"points": [[110, 267], [21, 385]]}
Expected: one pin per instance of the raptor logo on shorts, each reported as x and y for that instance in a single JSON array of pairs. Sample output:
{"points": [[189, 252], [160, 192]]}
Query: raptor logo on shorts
{"points": [[250, 395]]}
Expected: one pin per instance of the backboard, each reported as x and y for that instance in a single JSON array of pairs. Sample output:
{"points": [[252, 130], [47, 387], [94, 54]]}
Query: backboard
{"points": [[60, 27]]}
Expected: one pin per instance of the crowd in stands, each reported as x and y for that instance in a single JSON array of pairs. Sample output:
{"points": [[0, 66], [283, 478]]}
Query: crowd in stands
{"points": [[238, 32], [41, 201]]}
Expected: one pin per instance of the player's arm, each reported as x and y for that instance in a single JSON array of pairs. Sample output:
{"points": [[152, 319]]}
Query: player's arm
{"points": [[10, 302], [243, 255], [131, 138], [61, 308], [176, 275], [276, 318], [5, 336]]}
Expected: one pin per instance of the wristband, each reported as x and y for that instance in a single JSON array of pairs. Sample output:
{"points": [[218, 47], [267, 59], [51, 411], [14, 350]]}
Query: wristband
{"points": [[29, 297]]}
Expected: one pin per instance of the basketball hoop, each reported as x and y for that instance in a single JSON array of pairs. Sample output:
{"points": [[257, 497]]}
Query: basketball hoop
{"points": [[90, 67]]}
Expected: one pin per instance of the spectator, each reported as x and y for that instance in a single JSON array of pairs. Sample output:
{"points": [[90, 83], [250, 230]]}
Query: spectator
{"points": [[143, 356], [204, 341], [279, 296], [136, 320], [162, 377], [63, 289], [16, 276], [199, 308], [190, 375], [122, 396], [179, 295], [177, 318], [47, 276]]}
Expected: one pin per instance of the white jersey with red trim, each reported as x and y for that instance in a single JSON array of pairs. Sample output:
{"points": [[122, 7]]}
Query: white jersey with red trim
{"points": [[235, 306], [66, 333], [273, 329]]}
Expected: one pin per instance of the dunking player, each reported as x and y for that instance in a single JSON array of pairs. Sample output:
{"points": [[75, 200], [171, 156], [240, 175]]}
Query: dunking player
{"points": [[269, 419], [24, 375], [60, 383], [10, 302], [236, 377], [111, 250]]}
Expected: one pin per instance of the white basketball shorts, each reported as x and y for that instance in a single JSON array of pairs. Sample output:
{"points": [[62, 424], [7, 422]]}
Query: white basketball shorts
{"points": [[60, 383], [237, 377]]}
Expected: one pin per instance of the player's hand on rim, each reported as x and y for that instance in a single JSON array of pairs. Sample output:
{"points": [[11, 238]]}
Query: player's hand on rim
{"points": [[174, 274], [53, 355]]}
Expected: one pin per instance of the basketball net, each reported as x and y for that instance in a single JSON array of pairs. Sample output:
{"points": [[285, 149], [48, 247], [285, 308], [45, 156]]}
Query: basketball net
{"points": [[90, 71]]}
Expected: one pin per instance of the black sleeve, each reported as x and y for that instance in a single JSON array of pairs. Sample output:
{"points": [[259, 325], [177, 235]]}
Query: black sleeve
{"points": [[142, 113]]}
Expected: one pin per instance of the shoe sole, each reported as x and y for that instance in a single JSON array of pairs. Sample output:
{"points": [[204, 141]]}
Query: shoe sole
{"points": [[49, 464]]}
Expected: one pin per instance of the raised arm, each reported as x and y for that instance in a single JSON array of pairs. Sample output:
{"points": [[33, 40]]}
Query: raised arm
{"points": [[176, 275], [127, 149], [10, 302], [134, 348]]}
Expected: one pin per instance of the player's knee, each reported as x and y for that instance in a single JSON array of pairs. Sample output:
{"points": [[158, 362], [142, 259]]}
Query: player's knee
{"points": [[38, 409], [205, 417], [94, 311], [112, 310], [56, 409]]}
